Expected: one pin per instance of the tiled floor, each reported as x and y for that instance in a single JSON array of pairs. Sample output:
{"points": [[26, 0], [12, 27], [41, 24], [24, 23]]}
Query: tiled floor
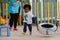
{"points": [[16, 35]]}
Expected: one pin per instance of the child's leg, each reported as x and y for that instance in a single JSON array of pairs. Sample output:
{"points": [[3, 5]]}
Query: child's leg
{"points": [[25, 27], [11, 20], [15, 20], [30, 28]]}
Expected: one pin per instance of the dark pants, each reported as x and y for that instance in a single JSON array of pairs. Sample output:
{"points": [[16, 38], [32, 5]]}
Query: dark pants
{"points": [[29, 27], [13, 19]]}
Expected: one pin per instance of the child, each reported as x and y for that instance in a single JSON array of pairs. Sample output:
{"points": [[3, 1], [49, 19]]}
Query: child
{"points": [[13, 9], [27, 19]]}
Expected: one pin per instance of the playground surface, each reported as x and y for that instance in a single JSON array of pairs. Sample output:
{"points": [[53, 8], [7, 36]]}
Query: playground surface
{"points": [[16, 35]]}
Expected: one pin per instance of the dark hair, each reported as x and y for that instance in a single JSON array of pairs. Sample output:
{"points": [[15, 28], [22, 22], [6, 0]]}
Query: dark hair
{"points": [[27, 6]]}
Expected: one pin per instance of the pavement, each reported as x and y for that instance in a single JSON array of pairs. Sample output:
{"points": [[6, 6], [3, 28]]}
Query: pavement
{"points": [[17, 35]]}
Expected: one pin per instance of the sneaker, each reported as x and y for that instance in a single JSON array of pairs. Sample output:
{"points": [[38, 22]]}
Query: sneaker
{"points": [[23, 33], [15, 29], [10, 28], [30, 33]]}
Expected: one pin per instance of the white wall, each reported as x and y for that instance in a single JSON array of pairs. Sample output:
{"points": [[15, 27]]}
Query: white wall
{"points": [[58, 0]]}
